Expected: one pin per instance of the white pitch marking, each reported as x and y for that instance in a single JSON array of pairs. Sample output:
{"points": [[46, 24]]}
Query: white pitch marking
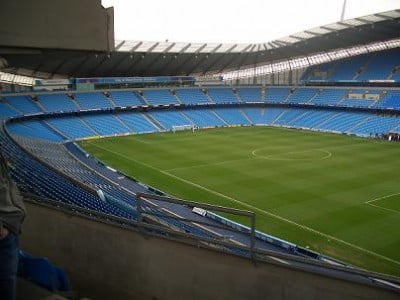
{"points": [[209, 164], [384, 208], [254, 208], [271, 156], [381, 198]]}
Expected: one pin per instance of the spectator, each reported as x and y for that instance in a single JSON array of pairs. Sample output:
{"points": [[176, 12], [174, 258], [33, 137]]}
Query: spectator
{"points": [[12, 213]]}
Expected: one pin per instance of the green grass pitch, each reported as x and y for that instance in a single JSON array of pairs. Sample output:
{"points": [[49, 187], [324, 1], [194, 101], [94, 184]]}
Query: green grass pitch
{"points": [[335, 194]]}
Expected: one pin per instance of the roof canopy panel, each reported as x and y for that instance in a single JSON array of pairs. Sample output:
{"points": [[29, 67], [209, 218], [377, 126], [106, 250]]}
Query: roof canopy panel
{"points": [[152, 58]]}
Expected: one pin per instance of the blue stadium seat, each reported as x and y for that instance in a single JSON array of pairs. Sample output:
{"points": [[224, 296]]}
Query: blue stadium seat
{"points": [[72, 127], [137, 122], [57, 103], [37, 129], [192, 96], [274, 94], [222, 95], [329, 97], [203, 118], [232, 116], [302, 95], [250, 94], [92, 100], [157, 97], [125, 98], [170, 118], [106, 124], [7, 110], [23, 104]]}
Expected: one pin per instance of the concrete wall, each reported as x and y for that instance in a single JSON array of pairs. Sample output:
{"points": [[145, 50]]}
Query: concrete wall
{"points": [[56, 24], [107, 262]]}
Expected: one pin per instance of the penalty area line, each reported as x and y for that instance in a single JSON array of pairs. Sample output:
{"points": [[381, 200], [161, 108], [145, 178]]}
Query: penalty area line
{"points": [[381, 198], [254, 208]]}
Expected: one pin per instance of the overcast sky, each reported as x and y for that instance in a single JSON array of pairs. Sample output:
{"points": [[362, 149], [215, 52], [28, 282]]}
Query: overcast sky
{"points": [[236, 21]]}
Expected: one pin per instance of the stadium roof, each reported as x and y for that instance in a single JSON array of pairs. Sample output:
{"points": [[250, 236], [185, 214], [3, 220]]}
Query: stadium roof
{"points": [[143, 58]]}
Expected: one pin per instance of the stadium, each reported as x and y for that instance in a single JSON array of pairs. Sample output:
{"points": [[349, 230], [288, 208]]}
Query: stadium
{"points": [[171, 170]]}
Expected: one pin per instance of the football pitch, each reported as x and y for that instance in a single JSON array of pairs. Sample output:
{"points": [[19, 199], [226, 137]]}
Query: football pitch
{"points": [[334, 194]]}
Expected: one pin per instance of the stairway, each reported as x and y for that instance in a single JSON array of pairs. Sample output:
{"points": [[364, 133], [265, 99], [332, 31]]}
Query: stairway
{"points": [[154, 122]]}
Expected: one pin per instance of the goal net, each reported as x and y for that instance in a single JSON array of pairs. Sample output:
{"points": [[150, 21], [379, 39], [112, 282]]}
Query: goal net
{"points": [[183, 127]]}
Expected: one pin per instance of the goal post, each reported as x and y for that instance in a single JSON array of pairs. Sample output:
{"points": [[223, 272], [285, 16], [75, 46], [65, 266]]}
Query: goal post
{"points": [[176, 128]]}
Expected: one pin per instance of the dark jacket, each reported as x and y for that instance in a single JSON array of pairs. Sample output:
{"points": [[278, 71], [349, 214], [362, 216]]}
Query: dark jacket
{"points": [[12, 209]]}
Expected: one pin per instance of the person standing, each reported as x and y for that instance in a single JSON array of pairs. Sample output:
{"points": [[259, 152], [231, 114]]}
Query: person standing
{"points": [[12, 214]]}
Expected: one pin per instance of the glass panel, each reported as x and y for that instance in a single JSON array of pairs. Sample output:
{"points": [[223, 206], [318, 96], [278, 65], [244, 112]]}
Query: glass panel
{"points": [[304, 35], [177, 47], [209, 48], [161, 47], [353, 22], [372, 18], [392, 14], [319, 30], [128, 45], [145, 46], [225, 47], [194, 47], [336, 26], [288, 39]]}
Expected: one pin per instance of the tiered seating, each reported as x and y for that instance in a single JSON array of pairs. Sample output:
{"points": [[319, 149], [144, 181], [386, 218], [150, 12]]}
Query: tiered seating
{"points": [[312, 118], [156, 97], [381, 65], [92, 100], [222, 95], [137, 122], [57, 103], [289, 116], [273, 94], [263, 116], [346, 69], [192, 96], [329, 97], [301, 95], [316, 72], [232, 116], [396, 75], [370, 66], [343, 121], [23, 104], [170, 118], [256, 115], [203, 118], [392, 100], [72, 127], [357, 102], [36, 129], [7, 111], [249, 94], [79, 127], [35, 178], [376, 125], [124, 98], [106, 124]]}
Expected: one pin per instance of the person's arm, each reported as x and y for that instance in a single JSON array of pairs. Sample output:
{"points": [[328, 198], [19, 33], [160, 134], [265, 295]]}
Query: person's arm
{"points": [[3, 231], [12, 209]]}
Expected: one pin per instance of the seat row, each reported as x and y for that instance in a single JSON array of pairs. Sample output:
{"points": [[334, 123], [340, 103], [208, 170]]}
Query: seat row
{"points": [[22, 105], [59, 129]]}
